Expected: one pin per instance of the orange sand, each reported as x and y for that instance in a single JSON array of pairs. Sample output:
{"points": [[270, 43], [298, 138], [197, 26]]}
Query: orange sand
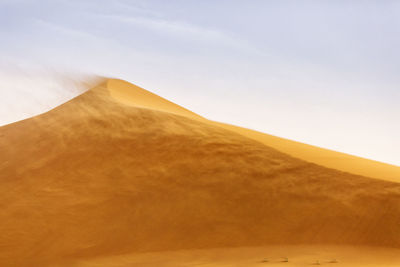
{"points": [[103, 176], [297, 256]]}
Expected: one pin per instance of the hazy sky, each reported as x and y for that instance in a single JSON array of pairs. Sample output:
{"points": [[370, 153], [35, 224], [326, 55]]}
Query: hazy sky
{"points": [[321, 72]]}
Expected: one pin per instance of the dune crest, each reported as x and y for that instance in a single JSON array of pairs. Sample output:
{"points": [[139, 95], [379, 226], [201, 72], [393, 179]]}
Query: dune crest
{"points": [[131, 94]]}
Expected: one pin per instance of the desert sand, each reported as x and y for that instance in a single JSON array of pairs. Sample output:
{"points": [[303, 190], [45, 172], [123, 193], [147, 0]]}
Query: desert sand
{"points": [[275, 256], [121, 177]]}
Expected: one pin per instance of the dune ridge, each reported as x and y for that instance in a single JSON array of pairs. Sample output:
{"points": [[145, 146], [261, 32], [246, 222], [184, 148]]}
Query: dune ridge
{"points": [[95, 177]]}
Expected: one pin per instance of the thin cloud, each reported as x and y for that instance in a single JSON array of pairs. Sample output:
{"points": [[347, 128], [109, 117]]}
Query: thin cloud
{"points": [[183, 30]]}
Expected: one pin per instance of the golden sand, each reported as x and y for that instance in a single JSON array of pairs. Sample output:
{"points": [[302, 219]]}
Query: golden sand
{"points": [[106, 177], [270, 256]]}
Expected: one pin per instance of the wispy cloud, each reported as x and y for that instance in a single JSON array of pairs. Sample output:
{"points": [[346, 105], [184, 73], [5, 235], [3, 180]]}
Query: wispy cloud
{"points": [[183, 30]]}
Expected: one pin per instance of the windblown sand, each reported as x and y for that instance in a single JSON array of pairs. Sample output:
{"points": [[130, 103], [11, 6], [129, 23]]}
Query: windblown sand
{"points": [[121, 177]]}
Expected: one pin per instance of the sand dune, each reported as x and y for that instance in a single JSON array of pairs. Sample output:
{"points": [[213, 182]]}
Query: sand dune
{"points": [[119, 170]]}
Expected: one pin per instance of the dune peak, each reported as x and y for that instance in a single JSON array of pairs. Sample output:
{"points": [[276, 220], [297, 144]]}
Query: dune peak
{"points": [[130, 94]]}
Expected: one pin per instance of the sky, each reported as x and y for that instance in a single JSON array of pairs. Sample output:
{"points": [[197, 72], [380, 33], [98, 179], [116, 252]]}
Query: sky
{"points": [[321, 72]]}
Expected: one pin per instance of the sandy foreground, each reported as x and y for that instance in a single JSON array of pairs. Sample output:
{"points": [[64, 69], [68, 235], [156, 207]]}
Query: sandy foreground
{"points": [[344, 256]]}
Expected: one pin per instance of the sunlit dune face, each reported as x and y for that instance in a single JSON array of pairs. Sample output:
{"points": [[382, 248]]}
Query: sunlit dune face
{"points": [[133, 95]]}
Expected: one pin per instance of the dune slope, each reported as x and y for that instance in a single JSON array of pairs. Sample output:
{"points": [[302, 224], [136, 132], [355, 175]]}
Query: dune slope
{"points": [[135, 96], [324, 157], [97, 177]]}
